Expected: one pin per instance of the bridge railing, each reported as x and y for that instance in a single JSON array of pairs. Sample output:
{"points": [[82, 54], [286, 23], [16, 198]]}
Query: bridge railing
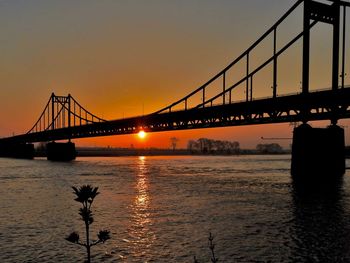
{"points": [[264, 98]]}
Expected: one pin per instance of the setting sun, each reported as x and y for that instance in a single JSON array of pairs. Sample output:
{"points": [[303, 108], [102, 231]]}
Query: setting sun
{"points": [[141, 134]]}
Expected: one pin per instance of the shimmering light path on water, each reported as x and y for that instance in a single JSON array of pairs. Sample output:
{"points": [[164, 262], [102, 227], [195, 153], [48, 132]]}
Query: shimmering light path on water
{"points": [[161, 209]]}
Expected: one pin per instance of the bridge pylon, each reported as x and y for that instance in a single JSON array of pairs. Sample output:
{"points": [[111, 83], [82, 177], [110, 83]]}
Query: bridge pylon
{"points": [[318, 155], [58, 151]]}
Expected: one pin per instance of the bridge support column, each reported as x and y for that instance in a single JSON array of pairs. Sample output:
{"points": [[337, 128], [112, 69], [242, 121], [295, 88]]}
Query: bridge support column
{"points": [[18, 150], [318, 154], [61, 151]]}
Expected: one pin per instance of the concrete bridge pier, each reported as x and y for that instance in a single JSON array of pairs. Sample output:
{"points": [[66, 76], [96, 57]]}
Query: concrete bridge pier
{"points": [[318, 155], [17, 150], [61, 151]]}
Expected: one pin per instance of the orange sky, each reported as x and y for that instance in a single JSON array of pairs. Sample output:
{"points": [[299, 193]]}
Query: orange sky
{"points": [[125, 58]]}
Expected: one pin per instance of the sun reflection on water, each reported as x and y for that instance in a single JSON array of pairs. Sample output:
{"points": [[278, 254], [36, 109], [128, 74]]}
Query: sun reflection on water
{"points": [[142, 222]]}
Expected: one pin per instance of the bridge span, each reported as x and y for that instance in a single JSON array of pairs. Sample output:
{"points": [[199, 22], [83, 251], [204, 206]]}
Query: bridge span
{"points": [[321, 105]]}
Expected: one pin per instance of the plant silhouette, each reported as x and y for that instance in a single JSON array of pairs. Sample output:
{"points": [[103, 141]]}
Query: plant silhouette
{"points": [[211, 244], [86, 195]]}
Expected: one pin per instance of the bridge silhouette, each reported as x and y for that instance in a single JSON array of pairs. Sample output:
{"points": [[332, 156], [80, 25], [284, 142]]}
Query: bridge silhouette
{"points": [[63, 118]]}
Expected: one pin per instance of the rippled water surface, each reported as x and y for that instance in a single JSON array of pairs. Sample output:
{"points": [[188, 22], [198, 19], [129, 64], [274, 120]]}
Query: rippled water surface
{"points": [[161, 209]]}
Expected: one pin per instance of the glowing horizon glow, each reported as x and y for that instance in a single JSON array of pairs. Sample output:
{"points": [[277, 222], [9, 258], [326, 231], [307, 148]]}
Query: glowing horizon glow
{"points": [[142, 134]]}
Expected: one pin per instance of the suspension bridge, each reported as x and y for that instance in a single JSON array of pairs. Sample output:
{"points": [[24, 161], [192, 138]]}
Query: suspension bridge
{"points": [[63, 118]]}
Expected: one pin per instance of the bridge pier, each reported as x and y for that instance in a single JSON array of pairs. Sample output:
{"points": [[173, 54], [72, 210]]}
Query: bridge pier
{"points": [[18, 150], [61, 151], [318, 155]]}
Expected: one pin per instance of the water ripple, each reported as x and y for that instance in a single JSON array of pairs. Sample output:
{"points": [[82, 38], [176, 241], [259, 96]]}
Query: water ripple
{"points": [[161, 209]]}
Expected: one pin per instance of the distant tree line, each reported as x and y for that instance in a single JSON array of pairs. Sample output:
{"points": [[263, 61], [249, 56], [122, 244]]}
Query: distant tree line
{"points": [[269, 148], [209, 146]]}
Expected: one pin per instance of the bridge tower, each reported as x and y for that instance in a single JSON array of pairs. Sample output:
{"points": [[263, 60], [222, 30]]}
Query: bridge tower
{"points": [[61, 151], [329, 14], [318, 155]]}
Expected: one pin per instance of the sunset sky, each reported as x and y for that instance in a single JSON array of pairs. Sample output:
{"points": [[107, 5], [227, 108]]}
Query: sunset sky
{"points": [[121, 58]]}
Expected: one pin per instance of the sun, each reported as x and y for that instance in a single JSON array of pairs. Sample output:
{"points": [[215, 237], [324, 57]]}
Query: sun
{"points": [[141, 134]]}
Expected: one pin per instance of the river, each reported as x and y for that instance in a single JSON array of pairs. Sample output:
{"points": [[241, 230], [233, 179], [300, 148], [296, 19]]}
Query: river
{"points": [[161, 209]]}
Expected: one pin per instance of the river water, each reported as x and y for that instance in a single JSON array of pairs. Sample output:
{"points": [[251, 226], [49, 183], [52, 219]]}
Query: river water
{"points": [[161, 209]]}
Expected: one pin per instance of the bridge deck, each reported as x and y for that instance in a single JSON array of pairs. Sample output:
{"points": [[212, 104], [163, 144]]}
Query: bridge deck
{"points": [[321, 105]]}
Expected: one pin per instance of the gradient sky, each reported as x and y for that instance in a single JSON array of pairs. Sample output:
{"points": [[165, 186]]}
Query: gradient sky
{"points": [[120, 58]]}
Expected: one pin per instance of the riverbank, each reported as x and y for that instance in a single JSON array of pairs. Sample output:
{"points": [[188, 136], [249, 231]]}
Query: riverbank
{"points": [[110, 152]]}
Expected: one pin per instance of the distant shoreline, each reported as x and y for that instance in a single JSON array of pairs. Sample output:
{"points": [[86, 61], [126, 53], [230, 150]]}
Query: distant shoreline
{"points": [[115, 152], [122, 152]]}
